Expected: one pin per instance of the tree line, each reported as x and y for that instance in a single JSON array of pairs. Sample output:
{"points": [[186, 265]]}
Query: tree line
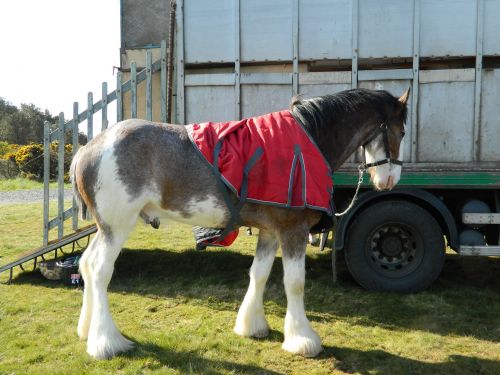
{"points": [[24, 125], [21, 141]]}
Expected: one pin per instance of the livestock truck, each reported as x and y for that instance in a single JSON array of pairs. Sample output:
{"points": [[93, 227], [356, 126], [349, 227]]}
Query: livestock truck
{"points": [[236, 59]]}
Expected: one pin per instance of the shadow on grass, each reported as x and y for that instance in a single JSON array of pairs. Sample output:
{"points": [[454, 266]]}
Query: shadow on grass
{"points": [[343, 359], [188, 362], [464, 301], [380, 362]]}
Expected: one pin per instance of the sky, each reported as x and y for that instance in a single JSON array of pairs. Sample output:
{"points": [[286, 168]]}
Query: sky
{"points": [[53, 52]]}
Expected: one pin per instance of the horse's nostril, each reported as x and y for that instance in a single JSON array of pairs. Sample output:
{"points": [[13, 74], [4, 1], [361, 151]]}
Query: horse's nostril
{"points": [[390, 182]]}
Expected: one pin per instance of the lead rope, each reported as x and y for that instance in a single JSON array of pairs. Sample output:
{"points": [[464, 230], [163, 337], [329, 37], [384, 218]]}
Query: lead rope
{"points": [[361, 169]]}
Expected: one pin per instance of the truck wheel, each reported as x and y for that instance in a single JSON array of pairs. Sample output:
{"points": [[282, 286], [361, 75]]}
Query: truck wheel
{"points": [[395, 246]]}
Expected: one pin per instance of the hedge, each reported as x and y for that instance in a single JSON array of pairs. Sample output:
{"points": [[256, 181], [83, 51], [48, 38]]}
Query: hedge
{"points": [[8, 169], [29, 160]]}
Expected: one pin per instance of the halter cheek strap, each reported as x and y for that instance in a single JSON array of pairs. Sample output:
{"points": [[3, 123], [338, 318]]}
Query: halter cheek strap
{"points": [[388, 160], [364, 165]]}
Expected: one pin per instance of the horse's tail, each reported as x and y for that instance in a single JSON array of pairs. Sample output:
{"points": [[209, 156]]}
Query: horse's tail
{"points": [[82, 206]]}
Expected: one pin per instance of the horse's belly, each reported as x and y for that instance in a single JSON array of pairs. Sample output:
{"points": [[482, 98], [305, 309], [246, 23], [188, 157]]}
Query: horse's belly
{"points": [[206, 213]]}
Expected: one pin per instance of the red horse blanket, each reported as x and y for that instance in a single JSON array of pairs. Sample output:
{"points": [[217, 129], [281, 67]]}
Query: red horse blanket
{"points": [[268, 159]]}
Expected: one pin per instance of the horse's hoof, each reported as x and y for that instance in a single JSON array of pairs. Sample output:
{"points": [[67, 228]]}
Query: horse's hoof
{"points": [[155, 223], [105, 348], [303, 345], [261, 334], [258, 328], [82, 333]]}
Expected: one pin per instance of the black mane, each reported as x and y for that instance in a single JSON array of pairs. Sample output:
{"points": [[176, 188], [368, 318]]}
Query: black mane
{"points": [[319, 113]]}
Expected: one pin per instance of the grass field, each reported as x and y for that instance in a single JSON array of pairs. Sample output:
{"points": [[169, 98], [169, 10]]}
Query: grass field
{"points": [[179, 306], [24, 184]]}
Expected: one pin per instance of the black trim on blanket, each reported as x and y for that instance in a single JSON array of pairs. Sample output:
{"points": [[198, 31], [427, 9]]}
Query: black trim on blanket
{"points": [[235, 213], [246, 170], [297, 152], [304, 177], [235, 220]]}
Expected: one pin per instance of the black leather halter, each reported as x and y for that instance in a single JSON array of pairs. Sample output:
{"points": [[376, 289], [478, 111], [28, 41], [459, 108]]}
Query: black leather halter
{"points": [[388, 160], [364, 165]]}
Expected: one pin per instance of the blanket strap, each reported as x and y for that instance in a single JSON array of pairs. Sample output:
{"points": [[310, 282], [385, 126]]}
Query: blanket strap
{"points": [[235, 221]]}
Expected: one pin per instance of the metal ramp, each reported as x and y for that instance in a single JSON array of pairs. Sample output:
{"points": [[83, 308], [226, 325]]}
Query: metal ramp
{"points": [[54, 246]]}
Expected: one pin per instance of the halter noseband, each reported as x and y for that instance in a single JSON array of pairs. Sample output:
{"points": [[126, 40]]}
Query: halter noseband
{"points": [[364, 165], [388, 160]]}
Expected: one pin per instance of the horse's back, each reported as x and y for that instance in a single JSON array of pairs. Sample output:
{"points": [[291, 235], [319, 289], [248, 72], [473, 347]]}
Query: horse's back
{"points": [[144, 162]]}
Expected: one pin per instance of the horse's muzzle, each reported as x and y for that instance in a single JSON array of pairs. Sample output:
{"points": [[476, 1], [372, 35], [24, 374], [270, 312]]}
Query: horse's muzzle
{"points": [[384, 184]]}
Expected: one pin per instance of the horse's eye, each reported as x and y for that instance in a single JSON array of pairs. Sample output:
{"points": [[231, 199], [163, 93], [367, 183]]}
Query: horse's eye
{"points": [[403, 133]]}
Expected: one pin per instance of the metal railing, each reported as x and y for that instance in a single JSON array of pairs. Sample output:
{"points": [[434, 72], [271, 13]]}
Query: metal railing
{"points": [[58, 134]]}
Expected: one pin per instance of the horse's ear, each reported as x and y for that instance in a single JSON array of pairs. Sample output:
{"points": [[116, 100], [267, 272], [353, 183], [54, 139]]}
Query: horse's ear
{"points": [[403, 99], [296, 99]]}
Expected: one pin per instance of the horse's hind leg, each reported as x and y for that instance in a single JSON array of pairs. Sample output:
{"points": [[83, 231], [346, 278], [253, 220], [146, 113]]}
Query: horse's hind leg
{"points": [[300, 338], [104, 338], [251, 320], [86, 270]]}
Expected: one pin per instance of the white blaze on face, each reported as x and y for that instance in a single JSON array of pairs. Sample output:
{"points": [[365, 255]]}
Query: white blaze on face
{"points": [[384, 176]]}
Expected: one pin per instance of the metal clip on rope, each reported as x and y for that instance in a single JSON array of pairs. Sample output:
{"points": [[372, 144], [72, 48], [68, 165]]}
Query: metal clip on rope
{"points": [[361, 169]]}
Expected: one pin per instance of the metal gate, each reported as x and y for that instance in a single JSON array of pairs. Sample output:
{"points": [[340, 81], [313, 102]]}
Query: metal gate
{"points": [[126, 92]]}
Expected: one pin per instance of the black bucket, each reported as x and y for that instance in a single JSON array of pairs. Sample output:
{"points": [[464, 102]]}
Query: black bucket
{"points": [[71, 275]]}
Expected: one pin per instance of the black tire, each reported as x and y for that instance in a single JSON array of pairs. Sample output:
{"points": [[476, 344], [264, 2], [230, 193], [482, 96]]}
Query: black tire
{"points": [[395, 246]]}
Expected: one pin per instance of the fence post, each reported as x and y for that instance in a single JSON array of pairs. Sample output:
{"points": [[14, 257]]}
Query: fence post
{"points": [[60, 178], [46, 180], [119, 97], [104, 108], [75, 149], [90, 116]]}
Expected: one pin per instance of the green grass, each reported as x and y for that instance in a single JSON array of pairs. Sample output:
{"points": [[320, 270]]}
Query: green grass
{"points": [[25, 184], [179, 306]]}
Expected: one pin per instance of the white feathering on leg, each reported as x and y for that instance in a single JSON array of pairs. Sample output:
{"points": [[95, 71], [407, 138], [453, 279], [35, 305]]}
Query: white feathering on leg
{"points": [[251, 320], [300, 338]]}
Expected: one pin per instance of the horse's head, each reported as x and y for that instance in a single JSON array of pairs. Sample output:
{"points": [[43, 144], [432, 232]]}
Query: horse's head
{"points": [[384, 152]]}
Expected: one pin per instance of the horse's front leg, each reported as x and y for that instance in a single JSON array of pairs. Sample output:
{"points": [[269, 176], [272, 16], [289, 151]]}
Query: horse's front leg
{"points": [[251, 320], [300, 338]]}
